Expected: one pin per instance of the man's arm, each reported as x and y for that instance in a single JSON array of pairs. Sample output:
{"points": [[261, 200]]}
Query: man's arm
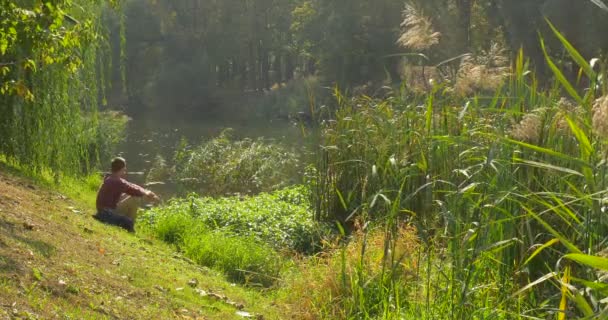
{"points": [[137, 191]]}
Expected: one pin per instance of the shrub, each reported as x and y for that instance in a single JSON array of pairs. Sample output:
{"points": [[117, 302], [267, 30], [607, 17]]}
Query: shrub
{"points": [[286, 100], [241, 258], [351, 281], [281, 219], [223, 166]]}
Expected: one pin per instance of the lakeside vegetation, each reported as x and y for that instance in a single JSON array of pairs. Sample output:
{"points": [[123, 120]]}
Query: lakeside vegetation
{"points": [[457, 169]]}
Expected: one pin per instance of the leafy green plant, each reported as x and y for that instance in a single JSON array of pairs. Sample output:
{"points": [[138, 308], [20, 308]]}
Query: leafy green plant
{"points": [[242, 258], [50, 53], [110, 132], [282, 219], [224, 166]]}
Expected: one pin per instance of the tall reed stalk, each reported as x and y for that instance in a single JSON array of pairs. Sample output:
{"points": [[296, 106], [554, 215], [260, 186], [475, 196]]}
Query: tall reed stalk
{"points": [[507, 195]]}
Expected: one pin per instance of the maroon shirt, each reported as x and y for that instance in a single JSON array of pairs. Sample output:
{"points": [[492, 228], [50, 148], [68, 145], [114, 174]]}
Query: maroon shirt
{"points": [[111, 190]]}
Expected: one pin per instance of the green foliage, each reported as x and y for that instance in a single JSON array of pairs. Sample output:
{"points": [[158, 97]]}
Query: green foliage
{"points": [[288, 100], [495, 183], [224, 166], [49, 53], [281, 219], [241, 257], [110, 132]]}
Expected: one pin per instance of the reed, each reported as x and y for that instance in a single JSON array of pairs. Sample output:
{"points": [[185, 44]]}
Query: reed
{"points": [[506, 194]]}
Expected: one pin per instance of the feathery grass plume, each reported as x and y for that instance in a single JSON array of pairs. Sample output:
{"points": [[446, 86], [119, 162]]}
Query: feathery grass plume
{"points": [[529, 129], [566, 107], [600, 117], [418, 30], [485, 72], [420, 79]]}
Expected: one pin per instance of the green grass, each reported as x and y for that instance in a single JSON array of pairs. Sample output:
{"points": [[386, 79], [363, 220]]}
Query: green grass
{"points": [[242, 259], [108, 273], [281, 219], [83, 189]]}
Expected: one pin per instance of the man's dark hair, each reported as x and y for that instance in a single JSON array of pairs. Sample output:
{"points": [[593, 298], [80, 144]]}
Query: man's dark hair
{"points": [[118, 164]]}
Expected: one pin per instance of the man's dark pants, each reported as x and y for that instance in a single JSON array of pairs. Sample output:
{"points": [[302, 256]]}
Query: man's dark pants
{"points": [[109, 217]]}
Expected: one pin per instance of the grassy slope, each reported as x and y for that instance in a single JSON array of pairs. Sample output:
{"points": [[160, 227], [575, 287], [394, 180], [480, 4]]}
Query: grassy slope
{"points": [[57, 262]]}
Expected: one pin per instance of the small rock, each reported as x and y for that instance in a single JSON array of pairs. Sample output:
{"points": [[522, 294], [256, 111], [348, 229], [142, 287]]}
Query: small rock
{"points": [[201, 292], [193, 283], [29, 226], [248, 315]]}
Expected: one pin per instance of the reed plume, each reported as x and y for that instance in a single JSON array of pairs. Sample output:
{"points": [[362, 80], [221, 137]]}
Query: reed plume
{"points": [[418, 30]]}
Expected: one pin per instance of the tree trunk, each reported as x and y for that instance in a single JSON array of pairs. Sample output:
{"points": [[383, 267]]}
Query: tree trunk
{"points": [[464, 11], [289, 67]]}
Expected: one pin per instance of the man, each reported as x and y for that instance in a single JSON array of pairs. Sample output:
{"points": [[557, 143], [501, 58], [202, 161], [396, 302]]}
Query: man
{"points": [[118, 200]]}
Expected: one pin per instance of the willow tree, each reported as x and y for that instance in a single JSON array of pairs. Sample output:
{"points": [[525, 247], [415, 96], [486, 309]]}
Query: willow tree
{"points": [[50, 54]]}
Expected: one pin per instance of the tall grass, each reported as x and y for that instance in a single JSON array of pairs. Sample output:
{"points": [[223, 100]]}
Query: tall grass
{"points": [[241, 258], [506, 194]]}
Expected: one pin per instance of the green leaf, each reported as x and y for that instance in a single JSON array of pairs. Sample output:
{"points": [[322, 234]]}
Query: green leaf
{"points": [[547, 166], [582, 304], [585, 144], [37, 274], [560, 76], [588, 260], [597, 286], [576, 56], [341, 199], [540, 249], [3, 46], [554, 232], [548, 152]]}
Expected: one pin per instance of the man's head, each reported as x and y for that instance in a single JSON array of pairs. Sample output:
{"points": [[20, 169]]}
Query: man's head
{"points": [[119, 166]]}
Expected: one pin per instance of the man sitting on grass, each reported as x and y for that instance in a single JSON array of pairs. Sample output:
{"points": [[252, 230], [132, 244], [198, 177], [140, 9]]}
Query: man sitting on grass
{"points": [[118, 200]]}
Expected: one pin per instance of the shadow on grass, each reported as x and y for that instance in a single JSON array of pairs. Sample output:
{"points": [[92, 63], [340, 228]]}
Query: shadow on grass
{"points": [[9, 229], [9, 265]]}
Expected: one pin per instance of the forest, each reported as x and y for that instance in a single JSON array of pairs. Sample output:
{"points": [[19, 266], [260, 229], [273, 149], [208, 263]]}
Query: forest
{"points": [[387, 159]]}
